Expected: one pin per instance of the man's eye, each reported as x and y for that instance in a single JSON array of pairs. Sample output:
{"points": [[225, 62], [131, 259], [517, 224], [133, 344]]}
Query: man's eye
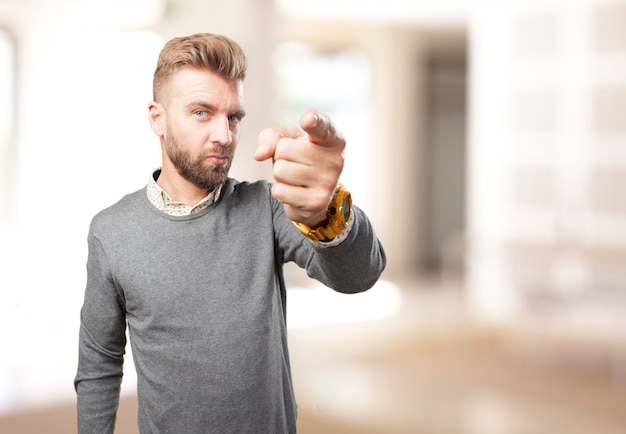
{"points": [[234, 119], [200, 113]]}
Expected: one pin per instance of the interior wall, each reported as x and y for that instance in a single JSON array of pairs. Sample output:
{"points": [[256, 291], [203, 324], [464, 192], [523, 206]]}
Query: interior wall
{"points": [[7, 110], [399, 97], [547, 226]]}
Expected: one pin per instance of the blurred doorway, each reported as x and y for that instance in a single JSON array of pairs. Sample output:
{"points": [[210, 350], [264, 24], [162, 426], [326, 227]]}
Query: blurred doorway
{"points": [[445, 155]]}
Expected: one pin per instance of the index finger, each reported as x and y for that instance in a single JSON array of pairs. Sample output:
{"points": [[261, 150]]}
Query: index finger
{"points": [[269, 137], [321, 129]]}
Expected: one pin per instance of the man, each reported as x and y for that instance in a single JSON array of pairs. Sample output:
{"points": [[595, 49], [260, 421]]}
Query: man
{"points": [[193, 261]]}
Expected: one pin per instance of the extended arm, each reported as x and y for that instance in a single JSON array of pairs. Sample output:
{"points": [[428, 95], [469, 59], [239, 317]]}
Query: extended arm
{"points": [[307, 163]]}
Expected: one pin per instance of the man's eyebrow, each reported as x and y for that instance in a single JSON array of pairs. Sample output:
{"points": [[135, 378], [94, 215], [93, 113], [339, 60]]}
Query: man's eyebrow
{"points": [[201, 104], [240, 114], [211, 107]]}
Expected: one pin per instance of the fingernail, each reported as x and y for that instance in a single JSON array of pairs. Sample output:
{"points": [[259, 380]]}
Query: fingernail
{"points": [[316, 119]]}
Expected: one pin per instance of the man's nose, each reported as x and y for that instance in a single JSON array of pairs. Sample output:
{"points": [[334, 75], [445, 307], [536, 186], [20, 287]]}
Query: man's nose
{"points": [[220, 131]]}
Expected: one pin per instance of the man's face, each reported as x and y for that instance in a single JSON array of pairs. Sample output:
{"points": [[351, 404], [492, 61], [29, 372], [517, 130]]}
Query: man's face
{"points": [[202, 122]]}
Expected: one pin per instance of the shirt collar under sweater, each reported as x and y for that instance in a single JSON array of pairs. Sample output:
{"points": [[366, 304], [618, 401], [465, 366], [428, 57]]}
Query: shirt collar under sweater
{"points": [[164, 202]]}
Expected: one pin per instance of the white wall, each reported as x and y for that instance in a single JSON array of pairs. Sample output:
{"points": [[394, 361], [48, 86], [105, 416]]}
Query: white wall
{"points": [[547, 222]]}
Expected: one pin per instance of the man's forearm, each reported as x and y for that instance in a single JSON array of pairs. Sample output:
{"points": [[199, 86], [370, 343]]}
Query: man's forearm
{"points": [[97, 386]]}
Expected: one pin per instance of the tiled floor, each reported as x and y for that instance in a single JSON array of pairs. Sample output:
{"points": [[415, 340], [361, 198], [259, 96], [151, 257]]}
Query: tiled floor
{"points": [[429, 370]]}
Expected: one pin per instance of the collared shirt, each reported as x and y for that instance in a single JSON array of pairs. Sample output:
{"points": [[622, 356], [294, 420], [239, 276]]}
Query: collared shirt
{"points": [[164, 202]]}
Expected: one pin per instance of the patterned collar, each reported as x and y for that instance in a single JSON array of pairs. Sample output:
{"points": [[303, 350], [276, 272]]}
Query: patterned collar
{"points": [[164, 202]]}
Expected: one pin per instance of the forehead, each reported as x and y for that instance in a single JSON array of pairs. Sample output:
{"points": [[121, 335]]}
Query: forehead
{"points": [[193, 84]]}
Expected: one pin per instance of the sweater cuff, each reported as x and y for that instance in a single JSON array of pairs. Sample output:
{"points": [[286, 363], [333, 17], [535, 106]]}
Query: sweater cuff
{"points": [[338, 239]]}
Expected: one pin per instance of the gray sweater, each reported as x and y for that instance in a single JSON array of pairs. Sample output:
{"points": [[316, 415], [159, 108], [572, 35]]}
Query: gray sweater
{"points": [[204, 299]]}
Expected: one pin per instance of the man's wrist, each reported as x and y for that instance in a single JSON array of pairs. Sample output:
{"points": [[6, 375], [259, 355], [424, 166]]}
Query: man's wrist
{"points": [[338, 218]]}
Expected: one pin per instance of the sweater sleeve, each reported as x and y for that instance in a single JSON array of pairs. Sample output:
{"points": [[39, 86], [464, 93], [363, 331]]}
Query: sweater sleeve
{"points": [[352, 266], [102, 340]]}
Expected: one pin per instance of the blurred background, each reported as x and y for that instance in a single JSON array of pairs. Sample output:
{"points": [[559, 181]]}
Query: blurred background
{"points": [[486, 141]]}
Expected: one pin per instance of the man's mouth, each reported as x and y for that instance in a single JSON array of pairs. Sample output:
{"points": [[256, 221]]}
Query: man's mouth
{"points": [[217, 159]]}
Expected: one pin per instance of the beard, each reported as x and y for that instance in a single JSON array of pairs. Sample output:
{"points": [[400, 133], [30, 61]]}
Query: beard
{"points": [[194, 168]]}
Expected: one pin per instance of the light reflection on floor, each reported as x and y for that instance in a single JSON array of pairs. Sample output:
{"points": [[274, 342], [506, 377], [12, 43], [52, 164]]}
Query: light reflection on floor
{"points": [[319, 305]]}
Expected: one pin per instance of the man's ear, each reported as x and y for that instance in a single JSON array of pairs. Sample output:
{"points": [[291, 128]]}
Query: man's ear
{"points": [[156, 116]]}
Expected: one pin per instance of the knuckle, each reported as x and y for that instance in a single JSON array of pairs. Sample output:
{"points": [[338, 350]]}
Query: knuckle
{"points": [[279, 167], [321, 199], [278, 192], [282, 147]]}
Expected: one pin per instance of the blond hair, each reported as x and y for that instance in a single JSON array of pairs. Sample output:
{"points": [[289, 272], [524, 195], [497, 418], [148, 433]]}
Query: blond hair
{"points": [[216, 53]]}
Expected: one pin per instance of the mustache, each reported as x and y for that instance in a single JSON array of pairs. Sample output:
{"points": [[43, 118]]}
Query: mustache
{"points": [[224, 151]]}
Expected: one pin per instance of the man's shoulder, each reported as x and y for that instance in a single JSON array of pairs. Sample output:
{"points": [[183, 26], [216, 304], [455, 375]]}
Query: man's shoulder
{"points": [[259, 189], [253, 198], [127, 205]]}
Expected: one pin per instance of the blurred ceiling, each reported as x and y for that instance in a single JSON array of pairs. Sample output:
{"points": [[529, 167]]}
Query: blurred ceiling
{"points": [[426, 13], [423, 13]]}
